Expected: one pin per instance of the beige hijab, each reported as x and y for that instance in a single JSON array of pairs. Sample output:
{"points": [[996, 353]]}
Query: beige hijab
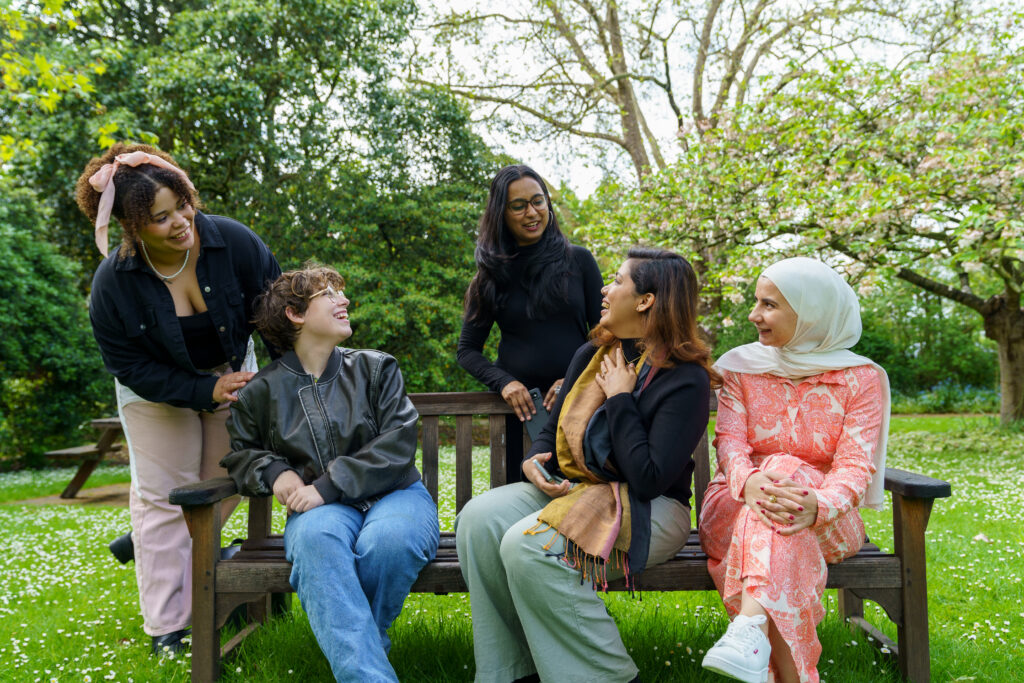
{"points": [[827, 325]]}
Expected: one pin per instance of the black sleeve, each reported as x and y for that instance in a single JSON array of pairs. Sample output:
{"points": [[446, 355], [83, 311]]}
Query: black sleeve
{"points": [[251, 465], [470, 354], [545, 442], [384, 461], [131, 363], [653, 458], [592, 285]]}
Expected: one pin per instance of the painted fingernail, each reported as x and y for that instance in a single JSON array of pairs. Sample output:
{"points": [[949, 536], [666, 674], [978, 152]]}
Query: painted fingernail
{"points": [[806, 493], [759, 502], [761, 487], [792, 517], [800, 508]]}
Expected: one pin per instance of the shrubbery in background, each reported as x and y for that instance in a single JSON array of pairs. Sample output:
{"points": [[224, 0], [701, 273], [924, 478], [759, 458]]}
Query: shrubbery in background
{"points": [[51, 377], [947, 398]]}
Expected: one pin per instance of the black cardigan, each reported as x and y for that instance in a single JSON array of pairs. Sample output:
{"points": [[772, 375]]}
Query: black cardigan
{"points": [[653, 432], [535, 352]]}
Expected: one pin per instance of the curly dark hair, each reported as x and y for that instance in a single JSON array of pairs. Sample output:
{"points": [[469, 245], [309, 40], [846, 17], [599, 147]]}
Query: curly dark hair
{"points": [[292, 289], [670, 325], [547, 272], [135, 188]]}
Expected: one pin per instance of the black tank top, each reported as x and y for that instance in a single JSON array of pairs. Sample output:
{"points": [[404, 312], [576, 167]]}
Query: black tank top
{"points": [[201, 341]]}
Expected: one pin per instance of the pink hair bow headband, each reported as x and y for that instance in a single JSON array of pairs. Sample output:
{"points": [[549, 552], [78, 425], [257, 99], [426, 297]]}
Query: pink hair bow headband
{"points": [[103, 182]]}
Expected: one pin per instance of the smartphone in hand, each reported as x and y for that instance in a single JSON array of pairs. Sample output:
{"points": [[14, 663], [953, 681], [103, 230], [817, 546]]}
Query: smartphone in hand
{"points": [[535, 425]]}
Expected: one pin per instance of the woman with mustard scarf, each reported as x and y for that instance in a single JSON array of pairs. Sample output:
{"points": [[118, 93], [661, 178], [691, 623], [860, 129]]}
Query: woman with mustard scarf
{"points": [[607, 491]]}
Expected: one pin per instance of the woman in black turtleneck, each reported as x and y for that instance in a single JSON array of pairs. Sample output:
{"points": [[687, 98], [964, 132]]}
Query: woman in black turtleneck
{"points": [[544, 294]]}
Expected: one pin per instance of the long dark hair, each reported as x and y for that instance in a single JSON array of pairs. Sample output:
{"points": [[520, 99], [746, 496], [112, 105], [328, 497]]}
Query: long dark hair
{"points": [[670, 325], [547, 270]]}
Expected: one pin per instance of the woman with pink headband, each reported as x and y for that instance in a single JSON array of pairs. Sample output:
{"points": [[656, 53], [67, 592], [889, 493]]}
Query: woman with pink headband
{"points": [[170, 309]]}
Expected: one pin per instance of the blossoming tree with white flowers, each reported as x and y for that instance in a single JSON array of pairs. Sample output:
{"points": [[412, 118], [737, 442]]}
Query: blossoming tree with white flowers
{"points": [[915, 172]]}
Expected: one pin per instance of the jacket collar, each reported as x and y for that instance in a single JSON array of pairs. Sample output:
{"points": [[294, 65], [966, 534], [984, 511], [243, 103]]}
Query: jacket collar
{"points": [[209, 238], [291, 361]]}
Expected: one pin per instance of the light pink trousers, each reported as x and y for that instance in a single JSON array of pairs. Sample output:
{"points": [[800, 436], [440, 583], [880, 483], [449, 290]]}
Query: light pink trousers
{"points": [[168, 447]]}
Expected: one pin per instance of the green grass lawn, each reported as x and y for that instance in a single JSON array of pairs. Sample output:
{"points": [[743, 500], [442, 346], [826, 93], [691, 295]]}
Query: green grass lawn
{"points": [[69, 612]]}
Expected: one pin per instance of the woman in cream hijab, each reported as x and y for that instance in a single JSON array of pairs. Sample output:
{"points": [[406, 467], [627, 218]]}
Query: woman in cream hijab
{"points": [[800, 440]]}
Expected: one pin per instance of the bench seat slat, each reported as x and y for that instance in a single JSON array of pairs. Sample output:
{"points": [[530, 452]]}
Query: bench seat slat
{"points": [[265, 571]]}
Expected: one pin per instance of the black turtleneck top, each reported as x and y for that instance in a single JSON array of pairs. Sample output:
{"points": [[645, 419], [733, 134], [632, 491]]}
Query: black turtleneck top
{"points": [[535, 352]]}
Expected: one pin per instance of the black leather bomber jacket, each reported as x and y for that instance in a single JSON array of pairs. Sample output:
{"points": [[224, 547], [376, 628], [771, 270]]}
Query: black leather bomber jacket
{"points": [[351, 433]]}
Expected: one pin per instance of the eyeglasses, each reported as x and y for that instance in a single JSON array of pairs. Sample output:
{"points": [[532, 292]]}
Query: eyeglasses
{"points": [[330, 293], [538, 202]]}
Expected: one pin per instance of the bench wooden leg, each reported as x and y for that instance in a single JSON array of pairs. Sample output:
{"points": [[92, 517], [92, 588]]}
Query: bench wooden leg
{"points": [[910, 519], [260, 521], [850, 604], [84, 470], [204, 523]]}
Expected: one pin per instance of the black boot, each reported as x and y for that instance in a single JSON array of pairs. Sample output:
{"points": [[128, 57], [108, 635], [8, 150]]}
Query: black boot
{"points": [[169, 642], [123, 548]]}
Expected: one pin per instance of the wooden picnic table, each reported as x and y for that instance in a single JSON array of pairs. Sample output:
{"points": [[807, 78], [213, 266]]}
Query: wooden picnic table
{"points": [[90, 455]]}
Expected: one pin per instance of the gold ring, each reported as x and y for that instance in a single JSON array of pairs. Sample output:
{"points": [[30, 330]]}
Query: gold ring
{"points": [[773, 499]]}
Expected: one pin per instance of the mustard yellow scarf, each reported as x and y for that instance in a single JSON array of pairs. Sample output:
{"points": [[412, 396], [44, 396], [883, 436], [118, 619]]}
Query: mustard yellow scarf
{"points": [[594, 517]]}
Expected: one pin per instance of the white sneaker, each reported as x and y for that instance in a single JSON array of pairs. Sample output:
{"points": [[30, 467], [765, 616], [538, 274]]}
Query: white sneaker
{"points": [[743, 652]]}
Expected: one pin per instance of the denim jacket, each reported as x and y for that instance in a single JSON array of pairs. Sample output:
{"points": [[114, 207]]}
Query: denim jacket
{"points": [[137, 329], [351, 432]]}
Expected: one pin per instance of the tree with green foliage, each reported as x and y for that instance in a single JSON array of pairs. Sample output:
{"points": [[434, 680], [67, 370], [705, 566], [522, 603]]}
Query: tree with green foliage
{"points": [[51, 378], [288, 117], [35, 79], [641, 79], [916, 171]]}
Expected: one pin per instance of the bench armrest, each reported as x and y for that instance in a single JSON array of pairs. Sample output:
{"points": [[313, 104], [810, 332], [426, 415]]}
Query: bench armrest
{"points": [[203, 492], [913, 485]]}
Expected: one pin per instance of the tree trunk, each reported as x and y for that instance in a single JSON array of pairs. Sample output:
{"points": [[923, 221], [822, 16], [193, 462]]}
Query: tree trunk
{"points": [[628, 108], [1005, 325]]}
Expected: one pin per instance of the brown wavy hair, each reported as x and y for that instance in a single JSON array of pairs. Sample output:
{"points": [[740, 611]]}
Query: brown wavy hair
{"points": [[292, 289], [135, 188], [670, 325]]}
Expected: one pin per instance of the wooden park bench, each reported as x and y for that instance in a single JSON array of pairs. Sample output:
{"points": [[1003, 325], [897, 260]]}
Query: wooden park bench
{"points": [[89, 455], [895, 581]]}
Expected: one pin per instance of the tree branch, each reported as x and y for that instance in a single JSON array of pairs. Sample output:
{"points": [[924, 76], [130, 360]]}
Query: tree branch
{"points": [[702, 58], [966, 298], [546, 118]]}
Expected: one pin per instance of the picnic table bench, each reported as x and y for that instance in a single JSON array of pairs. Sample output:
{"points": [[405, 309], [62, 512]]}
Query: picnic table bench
{"points": [[89, 455], [896, 581]]}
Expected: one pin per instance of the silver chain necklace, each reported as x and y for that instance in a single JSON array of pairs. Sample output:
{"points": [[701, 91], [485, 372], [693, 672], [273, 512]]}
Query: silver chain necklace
{"points": [[165, 278]]}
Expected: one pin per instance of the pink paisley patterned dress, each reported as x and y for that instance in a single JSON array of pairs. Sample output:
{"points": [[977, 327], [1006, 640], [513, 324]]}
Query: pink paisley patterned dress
{"points": [[821, 433]]}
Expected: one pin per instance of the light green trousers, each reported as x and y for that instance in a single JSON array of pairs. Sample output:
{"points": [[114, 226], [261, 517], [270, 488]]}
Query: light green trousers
{"points": [[531, 613]]}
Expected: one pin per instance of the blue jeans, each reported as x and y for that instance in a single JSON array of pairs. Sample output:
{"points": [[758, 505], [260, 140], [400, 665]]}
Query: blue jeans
{"points": [[352, 571]]}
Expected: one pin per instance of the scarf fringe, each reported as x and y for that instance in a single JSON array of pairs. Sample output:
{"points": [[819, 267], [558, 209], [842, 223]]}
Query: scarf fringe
{"points": [[591, 567]]}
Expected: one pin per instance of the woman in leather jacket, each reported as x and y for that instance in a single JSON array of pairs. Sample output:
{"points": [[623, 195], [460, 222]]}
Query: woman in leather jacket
{"points": [[331, 433], [170, 310]]}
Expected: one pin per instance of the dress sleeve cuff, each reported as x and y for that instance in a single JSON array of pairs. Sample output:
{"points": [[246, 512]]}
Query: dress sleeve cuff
{"points": [[738, 476], [826, 510], [326, 488]]}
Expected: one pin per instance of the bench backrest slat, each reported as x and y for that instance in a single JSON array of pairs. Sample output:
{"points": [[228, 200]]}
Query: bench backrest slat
{"points": [[463, 406], [428, 442], [496, 431], [463, 460]]}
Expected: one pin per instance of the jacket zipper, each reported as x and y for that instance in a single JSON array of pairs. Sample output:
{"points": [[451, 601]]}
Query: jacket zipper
{"points": [[323, 416]]}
